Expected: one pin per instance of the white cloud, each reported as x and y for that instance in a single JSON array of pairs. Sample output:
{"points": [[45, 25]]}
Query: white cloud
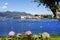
{"points": [[5, 5]]}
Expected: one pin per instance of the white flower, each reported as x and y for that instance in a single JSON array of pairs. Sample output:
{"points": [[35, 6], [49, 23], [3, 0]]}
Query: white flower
{"points": [[35, 36], [45, 35], [18, 35]]}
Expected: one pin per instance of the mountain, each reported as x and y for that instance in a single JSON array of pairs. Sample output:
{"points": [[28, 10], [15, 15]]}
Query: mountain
{"points": [[1, 14], [11, 14]]}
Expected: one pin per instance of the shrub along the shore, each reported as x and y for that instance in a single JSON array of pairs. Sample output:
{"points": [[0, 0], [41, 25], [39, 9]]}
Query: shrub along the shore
{"points": [[29, 36]]}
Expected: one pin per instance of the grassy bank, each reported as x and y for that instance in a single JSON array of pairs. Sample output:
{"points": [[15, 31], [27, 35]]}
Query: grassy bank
{"points": [[30, 37]]}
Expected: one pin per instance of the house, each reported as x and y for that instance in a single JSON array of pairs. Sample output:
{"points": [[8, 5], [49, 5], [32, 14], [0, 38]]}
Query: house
{"points": [[31, 17]]}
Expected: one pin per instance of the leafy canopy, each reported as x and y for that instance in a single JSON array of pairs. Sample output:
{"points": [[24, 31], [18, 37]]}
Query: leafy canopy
{"points": [[52, 4]]}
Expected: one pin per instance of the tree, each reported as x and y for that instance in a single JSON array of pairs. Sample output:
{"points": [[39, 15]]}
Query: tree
{"points": [[53, 5], [36, 15]]}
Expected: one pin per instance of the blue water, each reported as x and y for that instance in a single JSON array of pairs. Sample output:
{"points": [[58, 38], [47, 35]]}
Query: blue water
{"points": [[51, 26]]}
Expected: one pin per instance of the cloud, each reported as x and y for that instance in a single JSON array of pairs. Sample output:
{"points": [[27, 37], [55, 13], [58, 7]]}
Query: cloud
{"points": [[5, 5]]}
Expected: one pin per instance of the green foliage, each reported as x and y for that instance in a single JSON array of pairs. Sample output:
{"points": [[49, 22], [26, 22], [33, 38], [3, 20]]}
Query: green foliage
{"points": [[30, 37], [47, 16], [49, 3], [36, 15], [53, 5], [16, 17]]}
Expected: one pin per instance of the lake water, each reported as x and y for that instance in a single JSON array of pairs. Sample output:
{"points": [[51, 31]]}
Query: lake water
{"points": [[51, 26]]}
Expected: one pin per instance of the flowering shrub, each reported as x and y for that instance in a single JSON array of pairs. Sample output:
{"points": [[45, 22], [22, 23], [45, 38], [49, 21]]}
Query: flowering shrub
{"points": [[45, 35], [11, 33], [35, 36], [28, 36], [28, 32], [18, 35]]}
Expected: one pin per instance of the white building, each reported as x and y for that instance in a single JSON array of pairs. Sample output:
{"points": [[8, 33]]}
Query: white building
{"points": [[31, 17]]}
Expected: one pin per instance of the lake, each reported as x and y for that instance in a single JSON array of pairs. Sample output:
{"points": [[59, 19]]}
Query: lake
{"points": [[51, 26]]}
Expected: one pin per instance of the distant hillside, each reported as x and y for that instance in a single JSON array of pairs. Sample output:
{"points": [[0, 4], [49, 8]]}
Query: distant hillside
{"points": [[11, 14], [1, 14]]}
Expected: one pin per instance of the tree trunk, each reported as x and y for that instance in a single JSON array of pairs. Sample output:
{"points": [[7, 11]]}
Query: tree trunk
{"points": [[55, 13]]}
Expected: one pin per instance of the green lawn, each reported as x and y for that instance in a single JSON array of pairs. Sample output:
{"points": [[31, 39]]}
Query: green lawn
{"points": [[37, 39], [53, 37]]}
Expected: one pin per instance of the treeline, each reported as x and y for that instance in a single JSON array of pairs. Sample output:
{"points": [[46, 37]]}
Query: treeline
{"points": [[45, 16]]}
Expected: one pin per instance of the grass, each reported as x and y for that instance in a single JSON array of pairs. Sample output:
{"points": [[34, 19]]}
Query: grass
{"points": [[53, 37]]}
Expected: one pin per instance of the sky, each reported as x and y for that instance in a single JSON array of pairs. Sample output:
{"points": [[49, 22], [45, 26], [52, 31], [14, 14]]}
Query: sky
{"points": [[27, 6]]}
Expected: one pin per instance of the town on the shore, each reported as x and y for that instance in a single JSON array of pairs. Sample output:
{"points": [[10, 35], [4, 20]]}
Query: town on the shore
{"points": [[33, 17], [24, 15]]}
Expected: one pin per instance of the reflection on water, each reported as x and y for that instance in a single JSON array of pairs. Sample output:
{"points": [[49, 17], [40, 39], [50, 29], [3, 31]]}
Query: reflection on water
{"points": [[51, 26]]}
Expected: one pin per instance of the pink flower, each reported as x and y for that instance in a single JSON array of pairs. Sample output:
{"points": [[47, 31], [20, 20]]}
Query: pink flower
{"points": [[28, 32], [11, 33]]}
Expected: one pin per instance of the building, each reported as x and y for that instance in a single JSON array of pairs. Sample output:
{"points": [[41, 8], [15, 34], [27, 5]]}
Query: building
{"points": [[31, 17]]}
